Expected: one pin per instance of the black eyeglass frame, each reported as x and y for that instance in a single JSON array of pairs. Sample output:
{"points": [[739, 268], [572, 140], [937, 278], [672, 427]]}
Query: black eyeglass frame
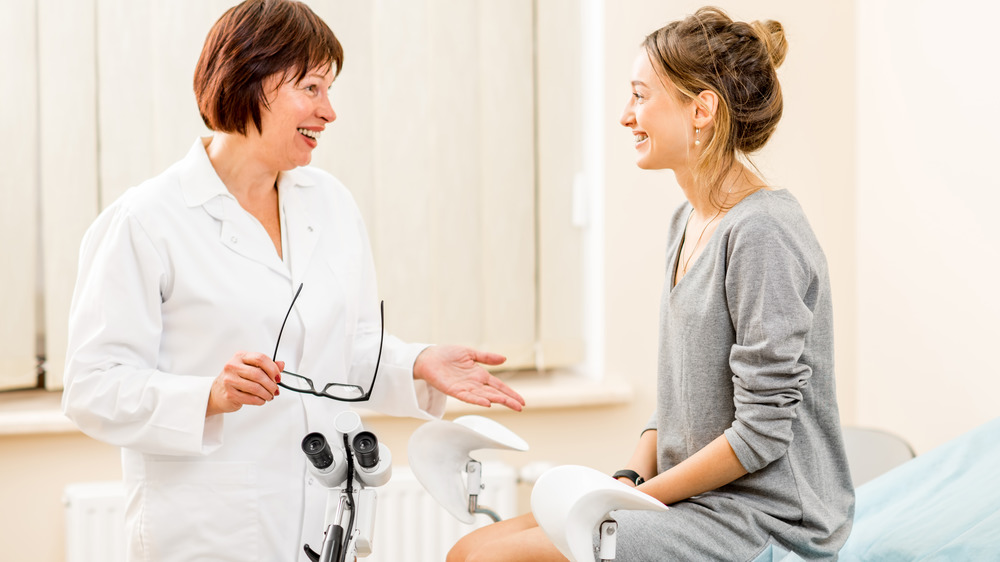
{"points": [[312, 388]]}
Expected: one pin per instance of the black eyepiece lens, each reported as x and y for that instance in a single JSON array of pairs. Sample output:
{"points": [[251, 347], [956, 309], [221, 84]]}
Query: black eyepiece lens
{"points": [[317, 450], [365, 446]]}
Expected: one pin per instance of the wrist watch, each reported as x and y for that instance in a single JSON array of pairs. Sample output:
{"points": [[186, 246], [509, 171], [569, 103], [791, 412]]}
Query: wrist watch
{"points": [[630, 474]]}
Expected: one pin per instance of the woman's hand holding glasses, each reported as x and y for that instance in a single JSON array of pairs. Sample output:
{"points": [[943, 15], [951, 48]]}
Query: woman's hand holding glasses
{"points": [[456, 371], [247, 378]]}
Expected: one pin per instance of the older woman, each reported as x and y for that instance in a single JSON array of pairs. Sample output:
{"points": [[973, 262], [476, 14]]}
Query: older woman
{"points": [[183, 288], [745, 442]]}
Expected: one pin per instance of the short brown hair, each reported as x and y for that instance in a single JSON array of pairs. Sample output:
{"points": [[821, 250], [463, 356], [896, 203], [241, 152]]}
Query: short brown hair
{"points": [[251, 42], [738, 62]]}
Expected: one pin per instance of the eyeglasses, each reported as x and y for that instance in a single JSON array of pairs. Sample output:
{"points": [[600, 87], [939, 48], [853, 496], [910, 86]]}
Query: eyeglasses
{"points": [[336, 391]]}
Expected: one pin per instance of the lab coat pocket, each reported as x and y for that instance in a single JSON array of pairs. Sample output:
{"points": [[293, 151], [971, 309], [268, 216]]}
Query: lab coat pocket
{"points": [[225, 498]]}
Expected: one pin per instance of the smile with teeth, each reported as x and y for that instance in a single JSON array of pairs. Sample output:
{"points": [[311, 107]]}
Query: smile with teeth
{"points": [[314, 135], [639, 137]]}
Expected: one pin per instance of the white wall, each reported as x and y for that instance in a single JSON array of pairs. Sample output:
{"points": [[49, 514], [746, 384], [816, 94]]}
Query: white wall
{"points": [[927, 192]]}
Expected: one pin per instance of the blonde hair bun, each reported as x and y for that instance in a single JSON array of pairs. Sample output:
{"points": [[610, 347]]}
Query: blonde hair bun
{"points": [[772, 34]]}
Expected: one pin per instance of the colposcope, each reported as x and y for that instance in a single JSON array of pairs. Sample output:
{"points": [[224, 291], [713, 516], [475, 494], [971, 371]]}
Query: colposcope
{"points": [[349, 467]]}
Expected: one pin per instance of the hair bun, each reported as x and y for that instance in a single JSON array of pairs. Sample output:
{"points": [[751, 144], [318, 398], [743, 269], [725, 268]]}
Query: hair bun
{"points": [[773, 36]]}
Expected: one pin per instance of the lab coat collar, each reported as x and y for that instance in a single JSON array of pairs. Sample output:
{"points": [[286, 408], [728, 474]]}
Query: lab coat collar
{"points": [[200, 183], [201, 186]]}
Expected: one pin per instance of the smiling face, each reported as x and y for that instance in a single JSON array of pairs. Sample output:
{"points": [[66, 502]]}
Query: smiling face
{"points": [[295, 116], [661, 122]]}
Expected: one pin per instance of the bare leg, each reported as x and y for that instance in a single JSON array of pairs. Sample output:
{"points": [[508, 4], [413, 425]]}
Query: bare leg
{"points": [[474, 540], [530, 545], [511, 540]]}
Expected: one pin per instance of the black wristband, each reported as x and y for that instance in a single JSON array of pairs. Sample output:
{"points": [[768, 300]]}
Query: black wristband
{"points": [[630, 474]]}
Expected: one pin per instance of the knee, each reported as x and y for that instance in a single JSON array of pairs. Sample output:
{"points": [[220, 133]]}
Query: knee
{"points": [[459, 552]]}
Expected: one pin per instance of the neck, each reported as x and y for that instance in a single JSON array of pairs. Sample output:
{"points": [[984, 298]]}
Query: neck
{"points": [[709, 199], [244, 174]]}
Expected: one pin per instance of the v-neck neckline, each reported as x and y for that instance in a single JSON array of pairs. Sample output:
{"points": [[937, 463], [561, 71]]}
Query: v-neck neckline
{"points": [[674, 282]]}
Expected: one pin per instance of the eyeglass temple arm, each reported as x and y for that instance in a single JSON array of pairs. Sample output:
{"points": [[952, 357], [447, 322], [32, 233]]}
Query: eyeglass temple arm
{"points": [[274, 356], [381, 339]]}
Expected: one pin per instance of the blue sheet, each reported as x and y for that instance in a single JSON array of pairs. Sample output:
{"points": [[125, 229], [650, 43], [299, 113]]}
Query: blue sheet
{"points": [[941, 506]]}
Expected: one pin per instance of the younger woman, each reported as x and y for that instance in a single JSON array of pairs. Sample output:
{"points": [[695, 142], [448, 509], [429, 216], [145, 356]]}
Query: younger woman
{"points": [[745, 443]]}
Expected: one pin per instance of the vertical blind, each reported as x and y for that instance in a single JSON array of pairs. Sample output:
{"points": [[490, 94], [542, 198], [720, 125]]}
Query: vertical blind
{"points": [[457, 132]]}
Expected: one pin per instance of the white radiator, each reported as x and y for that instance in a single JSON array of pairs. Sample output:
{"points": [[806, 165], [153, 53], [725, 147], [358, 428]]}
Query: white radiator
{"points": [[95, 522], [409, 525]]}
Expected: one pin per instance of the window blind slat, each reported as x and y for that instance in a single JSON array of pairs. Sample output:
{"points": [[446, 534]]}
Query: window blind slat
{"points": [[507, 175], [19, 192], [560, 146], [124, 96], [67, 157]]}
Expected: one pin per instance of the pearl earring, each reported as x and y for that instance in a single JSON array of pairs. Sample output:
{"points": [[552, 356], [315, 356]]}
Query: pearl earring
{"points": [[697, 139]]}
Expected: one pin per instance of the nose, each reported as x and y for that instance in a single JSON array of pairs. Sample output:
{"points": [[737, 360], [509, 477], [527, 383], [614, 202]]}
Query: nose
{"points": [[628, 116], [325, 110]]}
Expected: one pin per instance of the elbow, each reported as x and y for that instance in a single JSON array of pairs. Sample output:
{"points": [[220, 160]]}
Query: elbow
{"points": [[757, 443]]}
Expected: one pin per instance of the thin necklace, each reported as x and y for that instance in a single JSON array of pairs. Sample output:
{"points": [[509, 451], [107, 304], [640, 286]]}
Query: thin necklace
{"points": [[691, 255], [687, 262]]}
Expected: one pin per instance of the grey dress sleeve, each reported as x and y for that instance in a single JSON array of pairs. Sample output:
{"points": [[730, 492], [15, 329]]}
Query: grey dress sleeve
{"points": [[769, 277]]}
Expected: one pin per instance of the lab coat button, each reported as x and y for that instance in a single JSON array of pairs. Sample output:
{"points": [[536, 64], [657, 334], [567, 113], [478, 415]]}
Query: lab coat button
{"points": [[233, 240], [309, 228]]}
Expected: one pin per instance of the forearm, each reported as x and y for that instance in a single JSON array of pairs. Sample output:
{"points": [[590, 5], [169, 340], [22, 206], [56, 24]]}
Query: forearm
{"points": [[643, 459], [713, 466]]}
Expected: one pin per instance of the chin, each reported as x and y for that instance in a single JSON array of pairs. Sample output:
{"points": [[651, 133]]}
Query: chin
{"points": [[646, 164]]}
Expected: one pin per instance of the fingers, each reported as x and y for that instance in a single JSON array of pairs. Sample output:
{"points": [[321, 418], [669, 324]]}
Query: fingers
{"points": [[264, 363], [487, 357], [246, 379], [486, 396], [509, 392]]}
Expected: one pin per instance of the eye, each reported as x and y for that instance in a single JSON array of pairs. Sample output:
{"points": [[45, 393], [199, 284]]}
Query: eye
{"points": [[638, 97]]}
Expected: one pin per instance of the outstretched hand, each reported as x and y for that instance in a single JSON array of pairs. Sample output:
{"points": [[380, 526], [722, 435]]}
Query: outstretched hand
{"points": [[456, 371]]}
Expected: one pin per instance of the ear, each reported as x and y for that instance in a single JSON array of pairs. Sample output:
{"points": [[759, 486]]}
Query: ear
{"points": [[703, 108]]}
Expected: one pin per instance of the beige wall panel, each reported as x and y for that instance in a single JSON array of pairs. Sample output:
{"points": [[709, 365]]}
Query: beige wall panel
{"points": [[928, 245], [34, 472], [68, 157], [19, 193]]}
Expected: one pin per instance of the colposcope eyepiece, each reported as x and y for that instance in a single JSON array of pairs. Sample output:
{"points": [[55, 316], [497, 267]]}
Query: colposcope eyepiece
{"points": [[365, 446], [317, 450]]}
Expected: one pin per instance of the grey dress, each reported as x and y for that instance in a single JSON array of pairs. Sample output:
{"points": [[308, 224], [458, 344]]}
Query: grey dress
{"points": [[746, 350]]}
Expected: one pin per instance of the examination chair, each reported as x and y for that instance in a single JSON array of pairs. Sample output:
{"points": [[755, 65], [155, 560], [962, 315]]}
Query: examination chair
{"points": [[942, 505]]}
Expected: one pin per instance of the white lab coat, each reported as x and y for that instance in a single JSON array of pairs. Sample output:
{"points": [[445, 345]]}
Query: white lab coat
{"points": [[175, 277]]}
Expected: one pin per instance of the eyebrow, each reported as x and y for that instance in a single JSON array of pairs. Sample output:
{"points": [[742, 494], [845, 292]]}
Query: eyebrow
{"points": [[639, 83]]}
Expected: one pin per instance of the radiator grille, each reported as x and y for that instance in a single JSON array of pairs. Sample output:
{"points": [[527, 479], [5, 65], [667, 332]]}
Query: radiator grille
{"points": [[409, 525], [95, 522]]}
